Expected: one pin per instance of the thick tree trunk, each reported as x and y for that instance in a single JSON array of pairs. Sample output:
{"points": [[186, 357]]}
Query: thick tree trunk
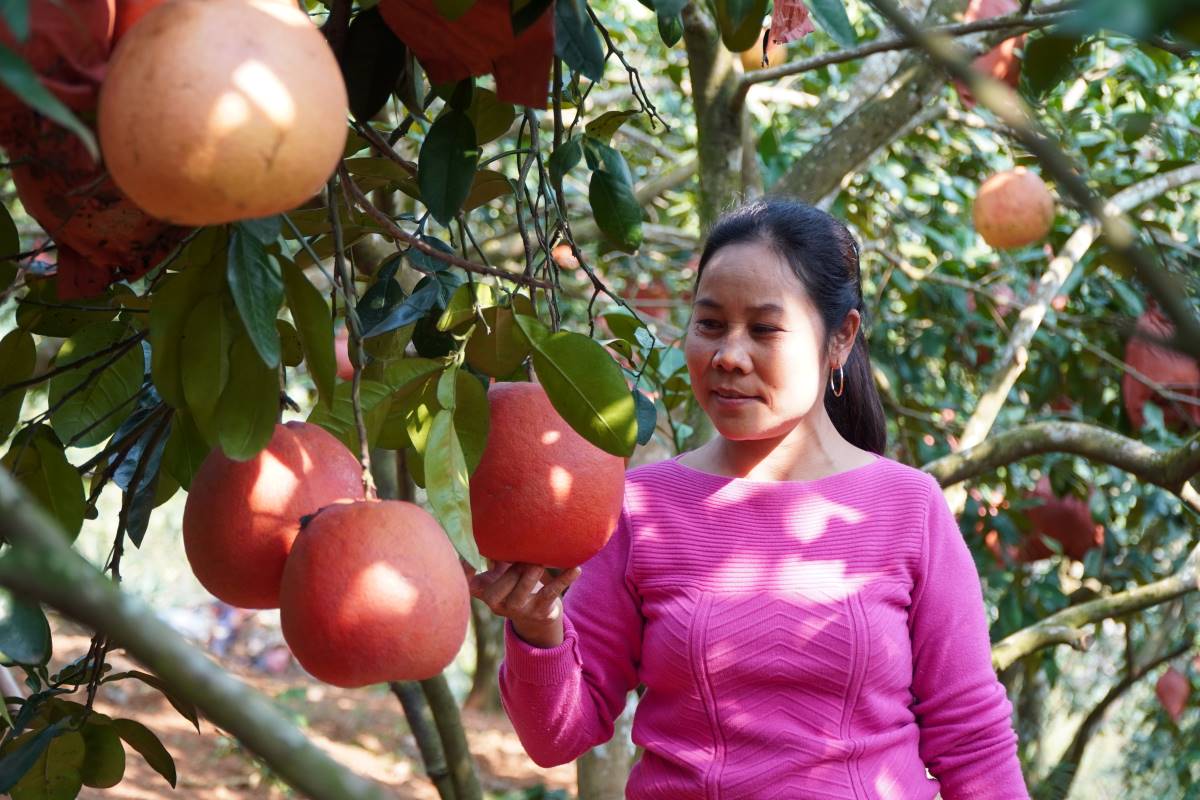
{"points": [[601, 773]]}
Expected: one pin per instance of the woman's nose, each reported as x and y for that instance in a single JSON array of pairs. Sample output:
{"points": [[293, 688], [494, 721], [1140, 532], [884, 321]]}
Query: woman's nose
{"points": [[731, 356]]}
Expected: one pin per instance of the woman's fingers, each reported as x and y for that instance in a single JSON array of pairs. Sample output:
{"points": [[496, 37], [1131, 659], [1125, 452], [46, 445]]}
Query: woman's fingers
{"points": [[547, 603]]}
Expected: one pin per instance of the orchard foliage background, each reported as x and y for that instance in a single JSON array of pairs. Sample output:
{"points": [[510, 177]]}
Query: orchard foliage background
{"points": [[462, 237]]}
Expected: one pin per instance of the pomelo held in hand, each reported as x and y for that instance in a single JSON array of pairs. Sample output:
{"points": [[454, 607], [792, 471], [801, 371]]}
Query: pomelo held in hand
{"points": [[542, 494], [1013, 209], [220, 110], [373, 592], [241, 517]]}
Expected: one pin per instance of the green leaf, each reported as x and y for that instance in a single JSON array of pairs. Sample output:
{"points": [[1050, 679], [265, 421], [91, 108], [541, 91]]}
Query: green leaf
{"points": [[388, 172], [249, 406], [486, 186], [204, 348], [402, 374], [491, 117], [616, 209], [427, 263], [424, 297], [15, 14], [104, 757], [10, 240], [24, 631], [604, 126], [22, 81], [1047, 61], [313, 323], [372, 59], [831, 16], [257, 288], [647, 417], [464, 303], [185, 449], [56, 775], [497, 347], [576, 40], [472, 417], [169, 307], [670, 28], [374, 399], [185, 708], [564, 159], [87, 399], [18, 359], [446, 165], [584, 385], [1135, 125], [37, 461], [21, 754], [143, 740], [264, 229], [448, 487], [601, 155], [740, 22]]}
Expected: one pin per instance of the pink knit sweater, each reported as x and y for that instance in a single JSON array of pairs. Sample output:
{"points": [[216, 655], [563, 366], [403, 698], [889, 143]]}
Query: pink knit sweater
{"points": [[798, 639]]}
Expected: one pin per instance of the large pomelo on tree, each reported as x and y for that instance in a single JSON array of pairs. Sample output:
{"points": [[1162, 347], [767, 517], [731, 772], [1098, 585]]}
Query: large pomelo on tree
{"points": [[1066, 520], [241, 517], [373, 591], [1013, 208], [1001, 61], [1169, 368], [219, 110], [542, 494], [1172, 690]]}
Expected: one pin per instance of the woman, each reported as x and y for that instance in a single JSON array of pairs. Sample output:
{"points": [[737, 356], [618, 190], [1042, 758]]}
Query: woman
{"points": [[803, 612]]}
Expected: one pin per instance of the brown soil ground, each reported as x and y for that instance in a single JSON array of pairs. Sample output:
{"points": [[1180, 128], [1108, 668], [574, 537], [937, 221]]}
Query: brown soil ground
{"points": [[363, 729]]}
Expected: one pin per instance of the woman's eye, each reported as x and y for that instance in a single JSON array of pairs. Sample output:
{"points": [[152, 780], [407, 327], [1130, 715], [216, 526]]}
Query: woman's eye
{"points": [[765, 329], [707, 324]]}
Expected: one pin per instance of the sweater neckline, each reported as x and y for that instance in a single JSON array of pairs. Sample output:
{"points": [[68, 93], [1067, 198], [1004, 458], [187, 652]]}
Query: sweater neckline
{"points": [[725, 480]]}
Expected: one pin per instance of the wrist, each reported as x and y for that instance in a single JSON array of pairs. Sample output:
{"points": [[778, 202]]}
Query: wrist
{"points": [[543, 636]]}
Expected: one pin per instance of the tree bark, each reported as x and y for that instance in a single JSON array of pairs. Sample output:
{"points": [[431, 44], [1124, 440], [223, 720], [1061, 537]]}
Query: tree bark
{"points": [[601, 773], [489, 651]]}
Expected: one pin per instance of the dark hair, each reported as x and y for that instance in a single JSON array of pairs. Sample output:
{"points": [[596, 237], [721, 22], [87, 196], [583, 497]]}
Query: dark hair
{"points": [[824, 256]]}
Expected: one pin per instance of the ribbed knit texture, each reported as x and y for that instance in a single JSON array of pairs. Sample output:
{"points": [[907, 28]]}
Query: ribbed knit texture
{"points": [[798, 639]]}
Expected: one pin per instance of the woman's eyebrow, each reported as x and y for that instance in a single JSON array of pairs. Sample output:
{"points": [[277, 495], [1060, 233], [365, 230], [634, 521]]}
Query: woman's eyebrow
{"points": [[762, 308]]}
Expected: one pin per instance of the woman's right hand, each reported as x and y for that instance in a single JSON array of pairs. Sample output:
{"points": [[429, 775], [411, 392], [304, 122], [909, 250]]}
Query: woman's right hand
{"points": [[516, 591]]}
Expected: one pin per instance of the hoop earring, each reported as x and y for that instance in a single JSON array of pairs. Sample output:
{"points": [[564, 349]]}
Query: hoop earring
{"points": [[841, 386]]}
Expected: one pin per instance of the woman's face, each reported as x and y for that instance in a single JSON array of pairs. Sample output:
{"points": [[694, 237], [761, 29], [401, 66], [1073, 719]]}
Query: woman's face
{"points": [[754, 347]]}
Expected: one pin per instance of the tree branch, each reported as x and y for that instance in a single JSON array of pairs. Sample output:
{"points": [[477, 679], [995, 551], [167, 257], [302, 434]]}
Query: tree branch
{"points": [[41, 565], [1115, 227], [1171, 469], [1064, 625]]}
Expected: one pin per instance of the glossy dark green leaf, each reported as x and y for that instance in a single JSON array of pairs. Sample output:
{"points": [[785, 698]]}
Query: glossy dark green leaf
{"points": [[18, 359], [291, 352], [249, 406], [740, 22], [830, 16], [616, 209], [87, 399], [647, 417], [374, 399], [584, 385], [465, 304], [169, 308], [24, 631], [576, 40], [428, 263], [265, 229], [1135, 125], [15, 14], [185, 449], [448, 486], [257, 288], [670, 28], [22, 81], [564, 159], [41, 312], [414, 307], [313, 323], [372, 60], [143, 740], [37, 461], [1047, 61], [601, 155], [104, 757], [185, 708], [446, 165]]}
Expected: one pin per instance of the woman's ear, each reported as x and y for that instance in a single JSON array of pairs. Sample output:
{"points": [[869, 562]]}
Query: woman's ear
{"points": [[844, 337]]}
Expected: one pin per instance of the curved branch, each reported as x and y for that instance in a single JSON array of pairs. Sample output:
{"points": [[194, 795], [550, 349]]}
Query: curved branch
{"points": [[1063, 626], [1170, 469], [41, 565]]}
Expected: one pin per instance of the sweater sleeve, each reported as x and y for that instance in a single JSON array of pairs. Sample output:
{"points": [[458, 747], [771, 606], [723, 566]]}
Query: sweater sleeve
{"points": [[563, 700], [967, 741]]}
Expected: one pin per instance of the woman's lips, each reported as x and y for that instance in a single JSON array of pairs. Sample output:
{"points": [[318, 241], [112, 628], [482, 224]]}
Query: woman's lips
{"points": [[732, 401]]}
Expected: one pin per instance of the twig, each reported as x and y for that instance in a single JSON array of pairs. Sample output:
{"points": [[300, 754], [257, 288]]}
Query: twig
{"points": [[416, 243], [635, 78], [121, 346]]}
